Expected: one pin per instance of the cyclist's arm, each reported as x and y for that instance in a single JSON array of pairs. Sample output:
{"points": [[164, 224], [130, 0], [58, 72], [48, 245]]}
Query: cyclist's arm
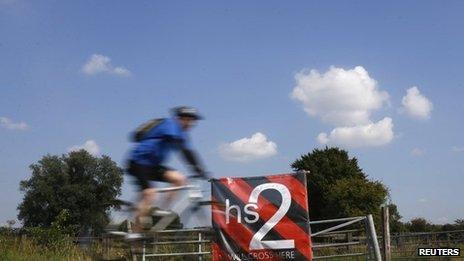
{"points": [[189, 155], [192, 159]]}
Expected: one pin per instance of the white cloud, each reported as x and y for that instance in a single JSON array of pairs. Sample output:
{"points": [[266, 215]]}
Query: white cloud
{"points": [[417, 152], [9, 124], [246, 149], [368, 135], [345, 99], [338, 96], [98, 63], [423, 200], [443, 219], [457, 149], [90, 146], [416, 105]]}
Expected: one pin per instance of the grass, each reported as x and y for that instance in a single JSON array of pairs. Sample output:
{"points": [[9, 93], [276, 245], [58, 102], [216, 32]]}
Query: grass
{"points": [[14, 247], [46, 245]]}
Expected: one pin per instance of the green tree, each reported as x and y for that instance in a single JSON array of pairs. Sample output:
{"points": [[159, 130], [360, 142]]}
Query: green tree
{"points": [[337, 186], [396, 226], [459, 224], [419, 225], [70, 191]]}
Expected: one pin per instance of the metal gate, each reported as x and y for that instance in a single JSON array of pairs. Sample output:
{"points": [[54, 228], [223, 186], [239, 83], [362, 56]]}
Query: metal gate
{"points": [[333, 241]]}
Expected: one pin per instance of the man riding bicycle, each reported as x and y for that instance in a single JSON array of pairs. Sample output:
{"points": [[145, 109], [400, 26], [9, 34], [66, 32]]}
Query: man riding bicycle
{"points": [[146, 161]]}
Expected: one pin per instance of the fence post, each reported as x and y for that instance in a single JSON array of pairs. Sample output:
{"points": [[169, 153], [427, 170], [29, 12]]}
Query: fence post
{"points": [[143, 250], [386, 247], [200, 257], [373, 238]]}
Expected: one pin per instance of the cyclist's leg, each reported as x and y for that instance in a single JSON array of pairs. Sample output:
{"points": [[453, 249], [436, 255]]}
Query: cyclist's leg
{"points": [[144, 205], [147, 193], [176, 178]]}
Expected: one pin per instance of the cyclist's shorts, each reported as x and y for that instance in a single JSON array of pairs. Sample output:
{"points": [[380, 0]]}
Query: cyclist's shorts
{"points": [[143, 174]]}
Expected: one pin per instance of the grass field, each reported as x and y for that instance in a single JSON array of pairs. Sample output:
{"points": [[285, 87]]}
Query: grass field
{"points": [[48, 246], [24, 248]]}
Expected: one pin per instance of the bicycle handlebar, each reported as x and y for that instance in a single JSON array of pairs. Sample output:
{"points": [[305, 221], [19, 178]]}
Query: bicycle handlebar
{"points": [[176, 188], [205, 176]]}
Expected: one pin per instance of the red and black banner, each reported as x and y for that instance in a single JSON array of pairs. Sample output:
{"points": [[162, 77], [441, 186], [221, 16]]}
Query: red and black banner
{"points": [[261, 218]]}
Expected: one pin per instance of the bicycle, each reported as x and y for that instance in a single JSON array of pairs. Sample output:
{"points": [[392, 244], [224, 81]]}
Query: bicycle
{"points": [[192, 202]]}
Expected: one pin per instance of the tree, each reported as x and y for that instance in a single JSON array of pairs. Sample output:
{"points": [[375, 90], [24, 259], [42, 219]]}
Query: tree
{"points": [[396, 226], [10, 223], [77, 186], [337, 186], [419, 225]]}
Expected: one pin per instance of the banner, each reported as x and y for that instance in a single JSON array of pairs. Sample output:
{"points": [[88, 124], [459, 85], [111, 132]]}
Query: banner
{"points": [[261, 218]]}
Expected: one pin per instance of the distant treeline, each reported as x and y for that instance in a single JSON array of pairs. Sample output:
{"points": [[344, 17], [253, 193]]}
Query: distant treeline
{"points": [[422, 225]]}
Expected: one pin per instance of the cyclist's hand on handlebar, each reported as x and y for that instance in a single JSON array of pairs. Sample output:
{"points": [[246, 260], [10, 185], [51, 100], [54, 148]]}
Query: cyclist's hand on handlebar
{"points": [[207, 175]]}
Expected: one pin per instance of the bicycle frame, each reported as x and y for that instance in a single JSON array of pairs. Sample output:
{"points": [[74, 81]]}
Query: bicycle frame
{"points": [[193, 200]]}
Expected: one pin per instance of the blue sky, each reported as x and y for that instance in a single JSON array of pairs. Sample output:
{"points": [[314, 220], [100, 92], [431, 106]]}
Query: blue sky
{"points": [[237, 62]]}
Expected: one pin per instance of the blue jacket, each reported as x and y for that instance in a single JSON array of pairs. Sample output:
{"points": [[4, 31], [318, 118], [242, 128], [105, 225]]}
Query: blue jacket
{"points": [[159, 142]]}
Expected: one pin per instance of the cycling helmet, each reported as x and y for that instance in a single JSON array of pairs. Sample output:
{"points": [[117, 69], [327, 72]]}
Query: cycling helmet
{"points": [[186, 111]]}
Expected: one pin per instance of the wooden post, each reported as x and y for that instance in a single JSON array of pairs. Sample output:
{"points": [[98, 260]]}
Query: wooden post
{"points": [[386, 248]]}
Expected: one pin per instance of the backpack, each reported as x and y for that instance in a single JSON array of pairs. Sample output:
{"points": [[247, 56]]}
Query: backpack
{"points": [[139, 133]]}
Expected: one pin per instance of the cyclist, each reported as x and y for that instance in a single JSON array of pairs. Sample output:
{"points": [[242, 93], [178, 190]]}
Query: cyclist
{"points": [[146, 161]]}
